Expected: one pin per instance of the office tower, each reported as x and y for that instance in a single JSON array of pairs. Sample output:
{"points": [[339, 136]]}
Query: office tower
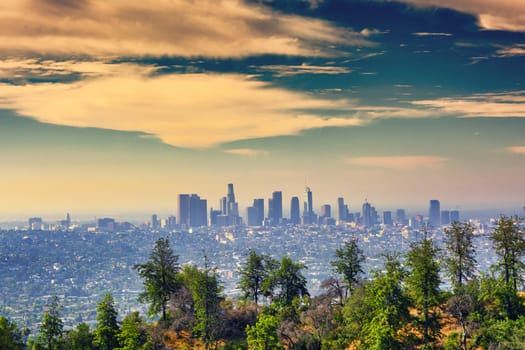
{"points": [[172, 221], [229, 209], [387, 218], [184, 209], [258, 204], [295, 213], [155, 224], [445, 217], [342, 210], [454, 216], [214, 217], [308, 207], [251, 213], [276, 207], [401, 216], [367, 214], [434, 214], [193, 210], [326, 211]]}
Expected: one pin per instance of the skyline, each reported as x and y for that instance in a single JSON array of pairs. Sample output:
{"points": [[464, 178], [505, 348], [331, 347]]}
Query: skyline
{"points": [[397, 102]]}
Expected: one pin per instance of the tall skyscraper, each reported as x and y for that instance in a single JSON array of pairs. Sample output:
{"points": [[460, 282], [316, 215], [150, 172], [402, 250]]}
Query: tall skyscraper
{"points": [[258, 203], [342, 210], [276, 207], [434, 214], [193, 210], [401, 216], [295, 213], [308, 207], [445, 217], [387, 218], [229, 209], [326, 210], [367, 214]]}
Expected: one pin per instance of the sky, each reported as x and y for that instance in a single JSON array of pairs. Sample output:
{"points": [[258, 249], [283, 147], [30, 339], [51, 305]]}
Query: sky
{"points": [[114, 107]]}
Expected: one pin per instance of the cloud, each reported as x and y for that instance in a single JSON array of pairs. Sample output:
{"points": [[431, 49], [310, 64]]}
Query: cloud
{"points": [[247, 152], [399, 162], [431, 34], [516, 149], [511, 51], [210, 28], [506, 104], [285, 70], [498, 15], [191, 110]]}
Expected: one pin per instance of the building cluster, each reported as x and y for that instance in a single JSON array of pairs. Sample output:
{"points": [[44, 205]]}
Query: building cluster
{"points": [[193, 212]]}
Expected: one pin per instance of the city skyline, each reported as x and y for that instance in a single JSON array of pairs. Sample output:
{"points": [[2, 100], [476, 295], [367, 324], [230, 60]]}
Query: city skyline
{"points": [[397, 102]]}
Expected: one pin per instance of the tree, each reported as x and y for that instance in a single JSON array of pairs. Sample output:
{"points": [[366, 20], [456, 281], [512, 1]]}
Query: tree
{"points": [[460, 307], [289, 281], [509, 243], [205, 289], [80, 338], [348, 263], [107, 325], [52, 325], [263, 336], [460, 260], [255, 273], [389, 307], [160, 277], [10, 335], [424, 281], [133, 333]]}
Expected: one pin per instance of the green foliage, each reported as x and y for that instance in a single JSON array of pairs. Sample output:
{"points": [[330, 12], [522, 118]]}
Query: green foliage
{"points": [[206, 292], [80, 338], [160, 277], [509, 243], [107, 326], [460, 260], [255, 276], [263, 336], [348, 263], [52, 325], [133, 333], [423, 281], [289, 282], [502, 334], [10, 335]]}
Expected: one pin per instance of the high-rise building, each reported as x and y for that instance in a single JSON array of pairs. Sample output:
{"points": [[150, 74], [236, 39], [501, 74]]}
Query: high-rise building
{"points": [[342, 210], [326, 210], [251, 214], [193, 210], [434, 214], [276, 207], [308, 207], [445, 217], [401, 216], [155, 223], [367, 214], [258, 204], [454, 216], [229, 208], [295, 213], [35, 224], [387, 218]]}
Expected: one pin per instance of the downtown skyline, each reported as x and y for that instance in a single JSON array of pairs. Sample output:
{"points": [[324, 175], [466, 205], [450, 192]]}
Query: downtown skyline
{"points": [[394, 102]]}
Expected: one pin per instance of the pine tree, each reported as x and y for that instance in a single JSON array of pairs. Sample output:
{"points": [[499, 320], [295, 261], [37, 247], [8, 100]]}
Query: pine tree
{"points": [[348, 263], [52, 326], [160, 277], [460, 260], [255, 273], [107, 325]]}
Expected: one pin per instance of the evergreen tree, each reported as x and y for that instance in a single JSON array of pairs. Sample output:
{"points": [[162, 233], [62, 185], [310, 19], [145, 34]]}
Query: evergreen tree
{"points": [[348, 263], [460, 260], [509, 243], [255, 274], [10, 335], [52, 326], [133, 333], [107, 325], [289, 281], [160, 277], [80, 338], [424, 281], [206, 292]]}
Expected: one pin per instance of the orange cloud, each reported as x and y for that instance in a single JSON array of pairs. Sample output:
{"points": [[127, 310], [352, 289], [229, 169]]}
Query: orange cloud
{"points": [[212, 28]]}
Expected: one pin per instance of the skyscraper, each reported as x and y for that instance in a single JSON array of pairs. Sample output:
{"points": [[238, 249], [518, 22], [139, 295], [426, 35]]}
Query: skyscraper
{"points": [[258, 203], [295, 214], [454, 216], [387, 218], [434, 214], [445, 217], [308, 208], [184, 209], [342, 210], [192, 210], [276, 207], [401, 216], [367, 214]]}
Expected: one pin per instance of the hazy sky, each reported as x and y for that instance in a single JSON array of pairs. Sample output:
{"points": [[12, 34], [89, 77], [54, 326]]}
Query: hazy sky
{"points": [[110, 107]]}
